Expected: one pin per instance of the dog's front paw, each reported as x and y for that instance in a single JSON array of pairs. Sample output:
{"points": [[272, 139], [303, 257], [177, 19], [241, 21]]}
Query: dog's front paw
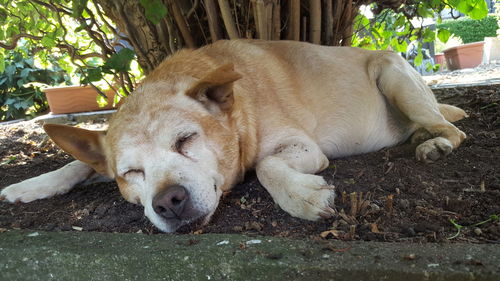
{"points": [[28, 191], [308, 197], [433, 149]]}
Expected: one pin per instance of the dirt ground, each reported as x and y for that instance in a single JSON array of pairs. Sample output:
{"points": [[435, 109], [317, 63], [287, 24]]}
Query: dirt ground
{"points": [[395, 198]]}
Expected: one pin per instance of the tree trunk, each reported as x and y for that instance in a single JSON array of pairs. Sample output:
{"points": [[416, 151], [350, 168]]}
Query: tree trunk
{"points": [[193, 23]]}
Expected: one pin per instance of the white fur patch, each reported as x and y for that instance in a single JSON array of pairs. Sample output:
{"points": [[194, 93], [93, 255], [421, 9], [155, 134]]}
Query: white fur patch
{"points": [[56, 182]]}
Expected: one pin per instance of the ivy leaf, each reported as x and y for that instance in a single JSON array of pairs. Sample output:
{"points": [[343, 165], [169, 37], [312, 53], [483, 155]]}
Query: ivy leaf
{"points": [[443, 35], [120, 61], [92, 75], [154, 10], [25, 72], [48, 42]]}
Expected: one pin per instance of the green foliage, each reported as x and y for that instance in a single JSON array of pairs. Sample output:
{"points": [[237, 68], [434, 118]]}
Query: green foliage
{"points": [[77, 31], [470, 30], [20, 94], [394, 29], [119, 62], [459, 227], [476, 9], [154, 10]]}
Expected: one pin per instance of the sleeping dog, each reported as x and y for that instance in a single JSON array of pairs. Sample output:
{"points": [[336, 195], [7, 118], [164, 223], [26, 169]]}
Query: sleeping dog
{"points": [[204, 117]]}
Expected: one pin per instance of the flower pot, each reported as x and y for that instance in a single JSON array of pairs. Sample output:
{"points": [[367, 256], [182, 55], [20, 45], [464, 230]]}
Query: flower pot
{"points": [[439, 59], [72, 99], [464, 56]]}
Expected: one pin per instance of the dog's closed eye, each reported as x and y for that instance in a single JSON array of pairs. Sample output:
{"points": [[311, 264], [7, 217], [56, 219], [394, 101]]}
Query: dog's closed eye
{"points": [[183, 140], [134, 171]]}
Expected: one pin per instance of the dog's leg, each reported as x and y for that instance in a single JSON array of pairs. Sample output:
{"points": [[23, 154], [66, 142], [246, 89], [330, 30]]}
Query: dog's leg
{"points": [[56, 182], [405, 89], [288, 177]]}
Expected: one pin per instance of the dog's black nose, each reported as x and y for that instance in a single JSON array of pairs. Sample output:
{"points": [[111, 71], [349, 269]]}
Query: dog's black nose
{"points": [[170, 202]]}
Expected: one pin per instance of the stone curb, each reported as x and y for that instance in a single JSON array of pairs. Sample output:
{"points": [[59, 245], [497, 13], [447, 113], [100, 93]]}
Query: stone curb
{"points": [[104, 256]]}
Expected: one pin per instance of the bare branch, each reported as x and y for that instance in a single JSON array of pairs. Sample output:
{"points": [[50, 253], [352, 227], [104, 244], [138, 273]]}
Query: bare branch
{"points": [[294, 27], [182, 25], [213, 22], [228, 19], [315, 21], [16, 38]]}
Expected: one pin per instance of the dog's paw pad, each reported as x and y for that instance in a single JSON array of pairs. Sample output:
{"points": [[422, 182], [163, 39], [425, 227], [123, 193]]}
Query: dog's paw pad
{"points": [[433, 149]]}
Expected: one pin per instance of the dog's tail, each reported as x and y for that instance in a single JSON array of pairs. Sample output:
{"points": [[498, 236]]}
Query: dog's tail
{"points": [[452, 113]]}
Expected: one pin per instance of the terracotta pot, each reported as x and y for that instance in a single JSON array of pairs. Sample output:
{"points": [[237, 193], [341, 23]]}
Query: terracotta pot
{"points": [[439, 58], [464, 56], [72, 99]]}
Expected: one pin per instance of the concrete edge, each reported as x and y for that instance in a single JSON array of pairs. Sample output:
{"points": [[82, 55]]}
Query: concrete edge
{"points": [[37, 255]]}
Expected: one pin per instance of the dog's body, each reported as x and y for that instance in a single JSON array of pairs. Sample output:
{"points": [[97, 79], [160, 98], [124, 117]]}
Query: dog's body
{"points": [[205, 116]]}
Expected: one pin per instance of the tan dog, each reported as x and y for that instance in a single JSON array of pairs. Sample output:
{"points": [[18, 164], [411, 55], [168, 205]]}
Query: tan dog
{"points": [[205, 116]]}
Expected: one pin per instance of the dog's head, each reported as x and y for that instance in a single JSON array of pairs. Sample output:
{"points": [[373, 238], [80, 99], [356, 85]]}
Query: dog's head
{"points": [[171, 147]]}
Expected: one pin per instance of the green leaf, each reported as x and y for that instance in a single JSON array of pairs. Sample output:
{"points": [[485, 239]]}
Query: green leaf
{"points": [[48, 42], [400, 47], [428, 66], [120, 61], [423, 11], [400, 21], [2, 63], [10, 70], [25, 72], [101, 101], [154, 10], [479, 10], [93, 75], [78, 7], [454, 3], [443, 35], [429, 35], [3, 15], [419, 58]]}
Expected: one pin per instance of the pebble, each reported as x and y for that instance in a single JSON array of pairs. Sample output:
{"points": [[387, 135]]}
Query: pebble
{"points": [[478, 231], [404, 203]]}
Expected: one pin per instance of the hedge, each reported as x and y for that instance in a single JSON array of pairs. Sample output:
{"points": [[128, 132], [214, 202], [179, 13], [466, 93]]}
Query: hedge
{"points": [[472, 30]]}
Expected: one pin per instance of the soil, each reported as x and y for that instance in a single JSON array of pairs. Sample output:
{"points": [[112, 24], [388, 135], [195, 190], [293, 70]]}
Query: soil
{"points": [[398, 198]]}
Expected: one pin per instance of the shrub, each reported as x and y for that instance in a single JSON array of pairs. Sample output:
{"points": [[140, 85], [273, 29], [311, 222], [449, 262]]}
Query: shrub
{"points": [[472, 30], [20, 93]]}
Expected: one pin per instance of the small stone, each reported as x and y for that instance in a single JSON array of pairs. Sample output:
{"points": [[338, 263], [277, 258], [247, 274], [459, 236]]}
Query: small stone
{"points": [[410, 231], [410, 257], [478, 231], [404, 204]]}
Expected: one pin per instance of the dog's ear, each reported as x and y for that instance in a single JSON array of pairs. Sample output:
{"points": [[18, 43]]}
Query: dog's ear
{"points": [[216, 87], [84, 145]]}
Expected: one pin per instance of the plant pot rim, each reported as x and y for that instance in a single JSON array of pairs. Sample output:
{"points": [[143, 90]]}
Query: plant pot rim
{"points": [[70, 87], [464, 46]]}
